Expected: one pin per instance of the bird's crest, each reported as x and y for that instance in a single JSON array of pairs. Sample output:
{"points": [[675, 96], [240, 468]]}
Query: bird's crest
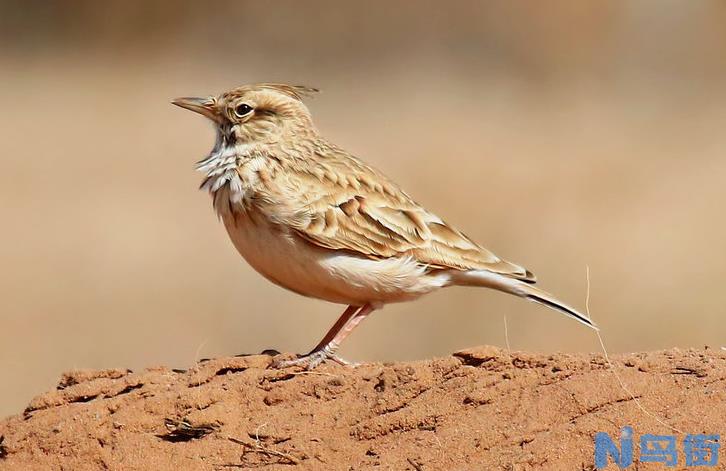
{"points": [[294, 91]]}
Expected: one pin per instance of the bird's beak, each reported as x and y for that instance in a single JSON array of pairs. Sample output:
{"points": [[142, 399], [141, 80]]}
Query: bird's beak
{"points": [[204, 106]]}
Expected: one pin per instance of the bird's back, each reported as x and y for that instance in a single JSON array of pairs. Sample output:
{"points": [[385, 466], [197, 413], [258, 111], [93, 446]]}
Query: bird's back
{"points": [[336, 201]]}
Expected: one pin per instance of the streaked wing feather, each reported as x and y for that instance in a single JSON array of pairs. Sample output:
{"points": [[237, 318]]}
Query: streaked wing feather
{"points": [[350, 206]]}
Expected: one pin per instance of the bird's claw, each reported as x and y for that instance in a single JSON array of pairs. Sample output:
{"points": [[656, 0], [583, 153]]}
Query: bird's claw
{"points": [[312, 360]]}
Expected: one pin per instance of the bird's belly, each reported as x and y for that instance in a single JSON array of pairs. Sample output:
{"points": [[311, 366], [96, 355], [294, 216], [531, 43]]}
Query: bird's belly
{"points": [[293, 263]]}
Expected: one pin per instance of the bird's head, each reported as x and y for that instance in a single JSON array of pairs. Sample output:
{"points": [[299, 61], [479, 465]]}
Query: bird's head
{"points": [[259, 113]]}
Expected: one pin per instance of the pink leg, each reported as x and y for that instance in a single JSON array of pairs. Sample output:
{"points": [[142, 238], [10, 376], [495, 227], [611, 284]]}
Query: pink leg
{"points": [[327, 347], [337, 327]]}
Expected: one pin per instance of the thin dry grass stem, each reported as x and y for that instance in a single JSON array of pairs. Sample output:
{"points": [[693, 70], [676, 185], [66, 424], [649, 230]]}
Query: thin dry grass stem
{"points": [[506, 334], [612, 367], [257, 433], [197, 354], [416, 466], [258, 447]]}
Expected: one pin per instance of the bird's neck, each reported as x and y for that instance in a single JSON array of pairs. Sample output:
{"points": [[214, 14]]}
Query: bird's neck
{"points": [[220, 166]]}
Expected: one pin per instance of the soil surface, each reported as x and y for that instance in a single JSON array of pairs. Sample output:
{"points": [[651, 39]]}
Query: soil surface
{"points": [[479, 409]]}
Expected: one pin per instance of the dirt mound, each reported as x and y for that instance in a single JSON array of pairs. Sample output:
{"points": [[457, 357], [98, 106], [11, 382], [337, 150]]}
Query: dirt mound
{"points": [[482, 408]]}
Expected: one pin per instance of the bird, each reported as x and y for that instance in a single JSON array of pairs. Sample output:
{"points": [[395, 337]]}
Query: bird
{"points": [[318, 221]]}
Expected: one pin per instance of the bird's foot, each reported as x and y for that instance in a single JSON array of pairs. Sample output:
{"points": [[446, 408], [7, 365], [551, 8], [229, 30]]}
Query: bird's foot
{"points": [[313, 359]]}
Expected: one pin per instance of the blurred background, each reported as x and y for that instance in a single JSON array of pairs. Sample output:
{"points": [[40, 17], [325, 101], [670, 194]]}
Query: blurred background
{"points": [[559, 134]]}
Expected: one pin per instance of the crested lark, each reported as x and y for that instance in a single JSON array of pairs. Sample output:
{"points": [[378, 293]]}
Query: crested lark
{"points": [[318, 221]]}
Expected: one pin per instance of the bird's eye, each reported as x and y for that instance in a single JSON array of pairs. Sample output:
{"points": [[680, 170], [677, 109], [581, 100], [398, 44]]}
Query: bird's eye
{"points": [[242, 109]]}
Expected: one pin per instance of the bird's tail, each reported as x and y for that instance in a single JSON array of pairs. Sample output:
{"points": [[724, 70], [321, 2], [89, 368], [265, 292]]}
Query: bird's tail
{"points": [[519, 288]]}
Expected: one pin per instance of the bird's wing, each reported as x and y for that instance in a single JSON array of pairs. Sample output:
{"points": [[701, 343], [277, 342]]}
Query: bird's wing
{"points": [[343, 204]]}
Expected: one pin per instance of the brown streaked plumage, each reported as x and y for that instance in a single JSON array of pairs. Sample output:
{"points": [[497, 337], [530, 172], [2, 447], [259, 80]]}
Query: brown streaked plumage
{"points": [[318, 221]]}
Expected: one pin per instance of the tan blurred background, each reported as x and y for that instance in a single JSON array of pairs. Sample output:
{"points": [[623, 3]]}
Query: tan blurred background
{"points": [[560, 134]]}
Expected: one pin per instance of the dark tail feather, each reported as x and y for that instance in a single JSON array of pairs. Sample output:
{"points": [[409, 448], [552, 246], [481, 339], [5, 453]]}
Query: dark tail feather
{"points": [[519, 288], [552, 303]]}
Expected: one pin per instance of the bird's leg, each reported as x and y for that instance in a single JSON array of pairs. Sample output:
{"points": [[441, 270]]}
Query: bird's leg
{"points": [[347, 315], [327, 347]]}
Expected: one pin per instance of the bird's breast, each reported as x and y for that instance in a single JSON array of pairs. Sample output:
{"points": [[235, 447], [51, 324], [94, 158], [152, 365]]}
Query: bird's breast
{"points": [[280, 256]]}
